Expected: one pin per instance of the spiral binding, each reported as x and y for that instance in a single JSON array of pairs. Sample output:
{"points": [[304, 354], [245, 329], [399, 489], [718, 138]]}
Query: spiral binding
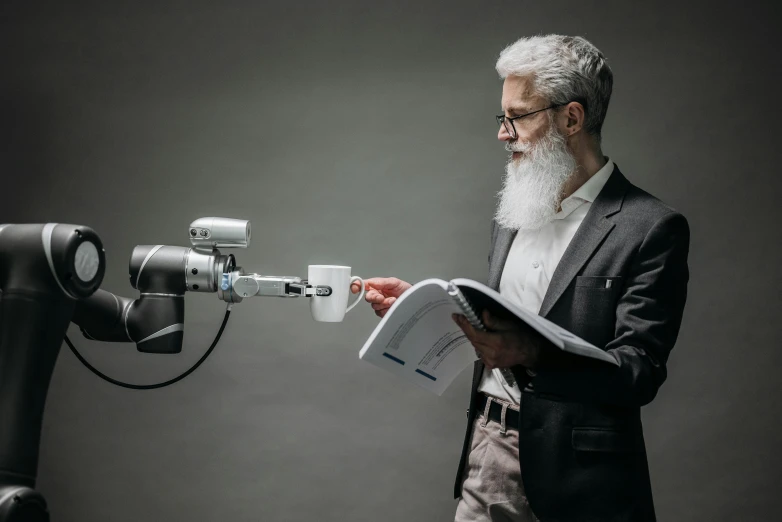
{"points": [[475, 321], [464, 304]]}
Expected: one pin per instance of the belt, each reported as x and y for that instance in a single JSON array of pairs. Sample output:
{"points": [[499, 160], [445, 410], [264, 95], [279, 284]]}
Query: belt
{"points": [[495, 412]]}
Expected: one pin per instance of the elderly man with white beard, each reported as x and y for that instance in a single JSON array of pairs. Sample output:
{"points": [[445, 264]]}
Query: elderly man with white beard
{"points": [[574, 241]]}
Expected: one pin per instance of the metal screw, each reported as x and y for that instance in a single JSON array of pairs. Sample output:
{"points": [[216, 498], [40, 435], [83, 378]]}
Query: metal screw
{"points": [[194, 271], [195, 287]]}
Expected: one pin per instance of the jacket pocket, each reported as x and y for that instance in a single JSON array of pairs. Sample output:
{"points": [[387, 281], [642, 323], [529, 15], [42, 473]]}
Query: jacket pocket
{"points": [[604, 282], [592, 309], [606, 440]]}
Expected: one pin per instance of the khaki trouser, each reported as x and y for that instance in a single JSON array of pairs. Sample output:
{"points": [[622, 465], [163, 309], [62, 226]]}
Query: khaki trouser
{"points": [[491, 487]]}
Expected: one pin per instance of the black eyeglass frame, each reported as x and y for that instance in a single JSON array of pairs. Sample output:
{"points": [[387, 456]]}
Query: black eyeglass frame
{"points": [[501, 118]]}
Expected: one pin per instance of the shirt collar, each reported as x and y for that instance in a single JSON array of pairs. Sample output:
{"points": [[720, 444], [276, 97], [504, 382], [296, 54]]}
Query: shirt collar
{"points": [[587, 192]]}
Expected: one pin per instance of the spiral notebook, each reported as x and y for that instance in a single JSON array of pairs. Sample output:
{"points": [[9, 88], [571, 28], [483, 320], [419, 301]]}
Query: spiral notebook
{"points": [[418, 341]]}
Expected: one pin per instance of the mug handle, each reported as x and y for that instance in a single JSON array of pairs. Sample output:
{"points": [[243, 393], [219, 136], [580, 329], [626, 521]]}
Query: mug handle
{"points": [[360, 295]]}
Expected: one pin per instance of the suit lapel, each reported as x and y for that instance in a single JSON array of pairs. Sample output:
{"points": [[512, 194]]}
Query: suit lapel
{"points": [[501, 249], [588, 237]]}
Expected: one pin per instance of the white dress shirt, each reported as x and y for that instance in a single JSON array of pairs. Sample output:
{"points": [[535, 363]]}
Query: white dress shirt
{"points": [[533, 257]]}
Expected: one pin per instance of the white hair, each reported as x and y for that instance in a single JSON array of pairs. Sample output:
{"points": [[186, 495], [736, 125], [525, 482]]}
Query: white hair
{"points": [[563, 69]]}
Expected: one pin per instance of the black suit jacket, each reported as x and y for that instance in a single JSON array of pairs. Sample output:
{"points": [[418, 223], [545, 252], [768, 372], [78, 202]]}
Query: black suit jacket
{"points": [[581, 446]]}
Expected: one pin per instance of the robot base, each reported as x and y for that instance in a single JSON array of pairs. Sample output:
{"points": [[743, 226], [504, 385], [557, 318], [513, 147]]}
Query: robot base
{"points": [[22, 504]]}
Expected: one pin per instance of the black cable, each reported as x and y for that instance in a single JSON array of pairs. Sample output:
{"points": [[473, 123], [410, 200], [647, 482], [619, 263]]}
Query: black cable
{"points": [[151, 386]]}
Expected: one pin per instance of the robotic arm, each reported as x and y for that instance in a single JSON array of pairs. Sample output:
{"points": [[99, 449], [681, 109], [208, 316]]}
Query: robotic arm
{"points": [[50, 275], [162, 275]]}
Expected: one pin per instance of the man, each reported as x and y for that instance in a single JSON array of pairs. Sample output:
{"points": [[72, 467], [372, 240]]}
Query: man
{"points": [[576, 242]]}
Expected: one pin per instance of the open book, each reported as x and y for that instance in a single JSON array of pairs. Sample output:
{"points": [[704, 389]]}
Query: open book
{"points": [[418, 340]]}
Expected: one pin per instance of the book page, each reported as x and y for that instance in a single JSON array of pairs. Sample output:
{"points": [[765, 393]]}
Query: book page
{"points": [[418, 340]]}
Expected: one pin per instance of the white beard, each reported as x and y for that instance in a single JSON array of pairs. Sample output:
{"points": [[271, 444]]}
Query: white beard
{"points": [[533, 185]]}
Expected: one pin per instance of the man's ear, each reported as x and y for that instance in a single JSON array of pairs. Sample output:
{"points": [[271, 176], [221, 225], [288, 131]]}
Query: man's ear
{"points": [[573, 115]]}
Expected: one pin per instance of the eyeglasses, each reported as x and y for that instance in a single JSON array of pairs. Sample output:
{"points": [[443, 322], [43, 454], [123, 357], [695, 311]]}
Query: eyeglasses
{"points": [[508, 122]]}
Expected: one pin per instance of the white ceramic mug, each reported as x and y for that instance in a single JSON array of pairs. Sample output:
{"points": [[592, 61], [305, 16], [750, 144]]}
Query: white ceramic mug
{"points": [[332, 309]]}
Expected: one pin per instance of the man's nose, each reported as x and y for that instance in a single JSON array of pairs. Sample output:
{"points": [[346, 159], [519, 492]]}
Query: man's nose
{"points": [[503, 134]]}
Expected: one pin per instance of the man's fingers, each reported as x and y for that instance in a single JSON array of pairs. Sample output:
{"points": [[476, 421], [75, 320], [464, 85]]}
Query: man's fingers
{"points": [[483, 342], [475, 336], [461, 323], [373, 296], [466, 327], [385, 304], [485, 354], [389, 286], [382, 283]]}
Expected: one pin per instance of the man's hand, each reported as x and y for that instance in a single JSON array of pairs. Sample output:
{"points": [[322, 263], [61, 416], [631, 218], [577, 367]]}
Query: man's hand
{"points": [[505, 344], [381, 292]]}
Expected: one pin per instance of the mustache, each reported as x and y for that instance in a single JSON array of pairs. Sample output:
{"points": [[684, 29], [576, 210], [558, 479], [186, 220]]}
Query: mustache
{"points": [[518, 146]]}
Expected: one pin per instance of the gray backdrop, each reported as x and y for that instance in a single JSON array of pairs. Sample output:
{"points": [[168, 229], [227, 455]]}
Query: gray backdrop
{"points": [[362, 133]]}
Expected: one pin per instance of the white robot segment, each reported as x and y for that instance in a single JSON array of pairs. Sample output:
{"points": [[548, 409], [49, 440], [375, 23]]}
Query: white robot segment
{"points": [[218, 232]]}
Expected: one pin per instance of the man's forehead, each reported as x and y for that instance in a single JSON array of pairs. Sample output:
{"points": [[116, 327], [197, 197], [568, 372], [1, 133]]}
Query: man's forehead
{"points": [[517, 93]]}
